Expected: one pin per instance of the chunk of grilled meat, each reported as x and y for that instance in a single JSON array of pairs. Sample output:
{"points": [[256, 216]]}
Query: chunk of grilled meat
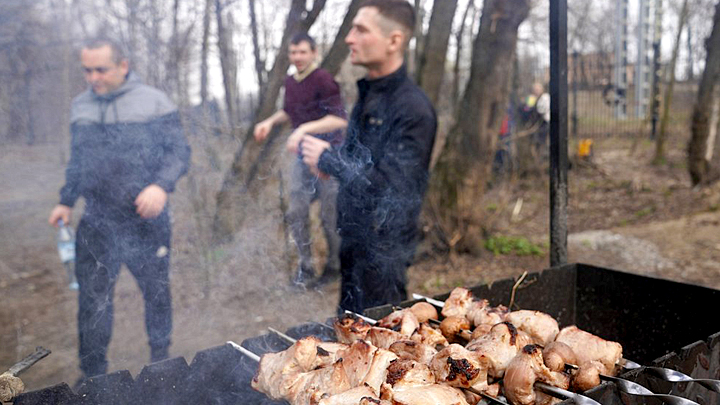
{"points": [[541, 327], [458, 303], [459, 367], [522, 373], [424, 311], [403, 321], [382, 337], [430, 336], [557, 354], [311, 387], [378, 372], [587, 376], [588, 347], [499, 347], [353, 396], [452, 326], [373, 401], [405, 373], [433, 394], [481, 313], [349, 328], [412, 350], [357, 360], [277, 372]]}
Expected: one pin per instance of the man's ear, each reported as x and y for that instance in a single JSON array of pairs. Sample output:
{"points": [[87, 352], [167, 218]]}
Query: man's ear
{"points": [[397, 41], [124, 66]]}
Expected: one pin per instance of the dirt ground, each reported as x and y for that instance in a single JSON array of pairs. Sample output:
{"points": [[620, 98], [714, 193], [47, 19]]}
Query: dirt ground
{"points": [[623, 213]]}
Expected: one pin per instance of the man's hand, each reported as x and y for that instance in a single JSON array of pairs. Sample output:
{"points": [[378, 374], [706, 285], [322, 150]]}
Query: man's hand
{"points": [[60, 212], [293, 142], [262, 129], [151, 201], [312, 148]]}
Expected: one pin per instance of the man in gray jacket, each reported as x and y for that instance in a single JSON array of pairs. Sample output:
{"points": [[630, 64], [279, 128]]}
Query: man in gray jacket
{"points": [[127, 152]]}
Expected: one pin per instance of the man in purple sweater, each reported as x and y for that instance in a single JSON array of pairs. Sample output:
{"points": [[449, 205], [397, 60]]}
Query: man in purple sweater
{"points": [[314, 107]]}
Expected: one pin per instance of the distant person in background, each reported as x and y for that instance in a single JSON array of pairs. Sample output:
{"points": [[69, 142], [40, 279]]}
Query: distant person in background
{"points": [[541, 106], [383, 165], [314, 107], [127, 152]]}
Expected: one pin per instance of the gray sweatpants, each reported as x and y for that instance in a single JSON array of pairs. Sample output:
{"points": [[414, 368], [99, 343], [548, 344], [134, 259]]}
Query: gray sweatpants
{"points": [[305, 188]]}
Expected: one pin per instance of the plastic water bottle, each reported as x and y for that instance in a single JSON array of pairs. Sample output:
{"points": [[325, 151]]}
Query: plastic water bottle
{"points": [[66, 250]]}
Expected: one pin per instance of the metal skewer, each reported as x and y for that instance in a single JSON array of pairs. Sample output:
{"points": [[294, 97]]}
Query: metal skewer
{"points": [[674, 376], [243, 350]]}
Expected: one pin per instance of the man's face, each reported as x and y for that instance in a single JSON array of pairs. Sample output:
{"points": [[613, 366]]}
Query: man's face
{"points": [[369, 45], [101, 72], [302, 55]]}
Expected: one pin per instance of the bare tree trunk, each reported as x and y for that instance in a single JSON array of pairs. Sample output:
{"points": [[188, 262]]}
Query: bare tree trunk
{"points": [[259, 63], [700, 169], [228, 63], [662, 136], [419, 38], [458, 181], [690, 62], [204, 51], [431, 69], [332, 62], [455, 97], [252, 158]]}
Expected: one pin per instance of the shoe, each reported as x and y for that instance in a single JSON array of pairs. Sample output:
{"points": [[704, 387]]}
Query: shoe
{"points": [[329, 275], [303, 277]]}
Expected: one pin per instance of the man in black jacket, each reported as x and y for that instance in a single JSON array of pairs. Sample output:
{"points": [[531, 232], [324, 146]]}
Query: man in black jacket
{"points": [[127, 152], [383, 165]]}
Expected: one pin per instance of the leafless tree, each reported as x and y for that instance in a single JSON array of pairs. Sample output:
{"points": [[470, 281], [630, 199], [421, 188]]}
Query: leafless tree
{"points": [[458, 181], [431, 66], [702, 164]]}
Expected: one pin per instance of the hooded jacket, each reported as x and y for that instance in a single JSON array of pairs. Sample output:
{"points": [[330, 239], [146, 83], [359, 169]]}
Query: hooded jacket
{"points": [[122, 142]]}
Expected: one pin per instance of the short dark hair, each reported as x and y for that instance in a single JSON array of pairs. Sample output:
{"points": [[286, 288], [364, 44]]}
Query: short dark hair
{"points": [[303, 36], [118, 53], [399, 11]]}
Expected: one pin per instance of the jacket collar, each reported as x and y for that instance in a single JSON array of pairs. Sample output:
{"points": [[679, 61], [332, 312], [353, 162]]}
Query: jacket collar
{"points": [[131, 81], [385, 83]]}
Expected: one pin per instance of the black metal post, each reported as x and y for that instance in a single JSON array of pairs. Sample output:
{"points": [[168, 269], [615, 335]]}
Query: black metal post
{"points": [[576, 57], [558, 132], [655, 111]]}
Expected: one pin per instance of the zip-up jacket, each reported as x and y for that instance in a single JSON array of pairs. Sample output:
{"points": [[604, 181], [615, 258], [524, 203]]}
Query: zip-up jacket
{"points": [[382, 166], [122, 142]]}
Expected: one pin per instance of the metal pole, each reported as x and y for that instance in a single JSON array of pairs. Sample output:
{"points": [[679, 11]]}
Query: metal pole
{"points": [[558, 132], [575, 76]]}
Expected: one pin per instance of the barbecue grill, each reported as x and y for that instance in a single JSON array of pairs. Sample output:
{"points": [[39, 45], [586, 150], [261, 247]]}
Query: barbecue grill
{"points": [[658, 322]]}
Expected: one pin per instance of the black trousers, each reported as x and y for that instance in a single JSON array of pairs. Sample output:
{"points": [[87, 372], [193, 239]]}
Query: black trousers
{"points": [[374, 272], [105, 242]]}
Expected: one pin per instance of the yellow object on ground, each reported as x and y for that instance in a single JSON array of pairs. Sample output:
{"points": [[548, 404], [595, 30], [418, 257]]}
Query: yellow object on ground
{"points": [[585, 148]]}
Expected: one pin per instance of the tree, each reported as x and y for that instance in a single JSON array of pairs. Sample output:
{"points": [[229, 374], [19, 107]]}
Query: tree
{"points": [[252, 158], [431, 68], [700, 151], [455, 96], [458, 181], [228, 63], [338, 51]]}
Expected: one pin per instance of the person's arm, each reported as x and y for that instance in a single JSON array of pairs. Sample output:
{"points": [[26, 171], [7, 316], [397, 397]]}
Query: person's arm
{"points": [[328, 123], [70, 192], [262, 128], [151, 200]]}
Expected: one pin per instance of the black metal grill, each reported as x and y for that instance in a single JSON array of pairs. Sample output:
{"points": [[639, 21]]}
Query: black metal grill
{"points": [[653, 319]]}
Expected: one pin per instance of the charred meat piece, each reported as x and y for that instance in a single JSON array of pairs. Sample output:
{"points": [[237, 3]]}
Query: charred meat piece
{"points": [[557, 354], [522, 373], [424, 311], [349, 328], [404, 373], [481, 313], [403, 321], [499, 347], [373, 401], [588, 347], [357, 360], [459, 367], [412, 350], [378, 369], [458, 303], [277, 372], [541, 327]]}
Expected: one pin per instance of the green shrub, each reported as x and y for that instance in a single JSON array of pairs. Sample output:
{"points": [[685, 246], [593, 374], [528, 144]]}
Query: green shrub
{"points": [[505, 245]]}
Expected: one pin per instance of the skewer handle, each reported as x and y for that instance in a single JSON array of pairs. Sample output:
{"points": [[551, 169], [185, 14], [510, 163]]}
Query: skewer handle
{"points": [[243, 350], [282, 335], [565, 394], [429, 300]]}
